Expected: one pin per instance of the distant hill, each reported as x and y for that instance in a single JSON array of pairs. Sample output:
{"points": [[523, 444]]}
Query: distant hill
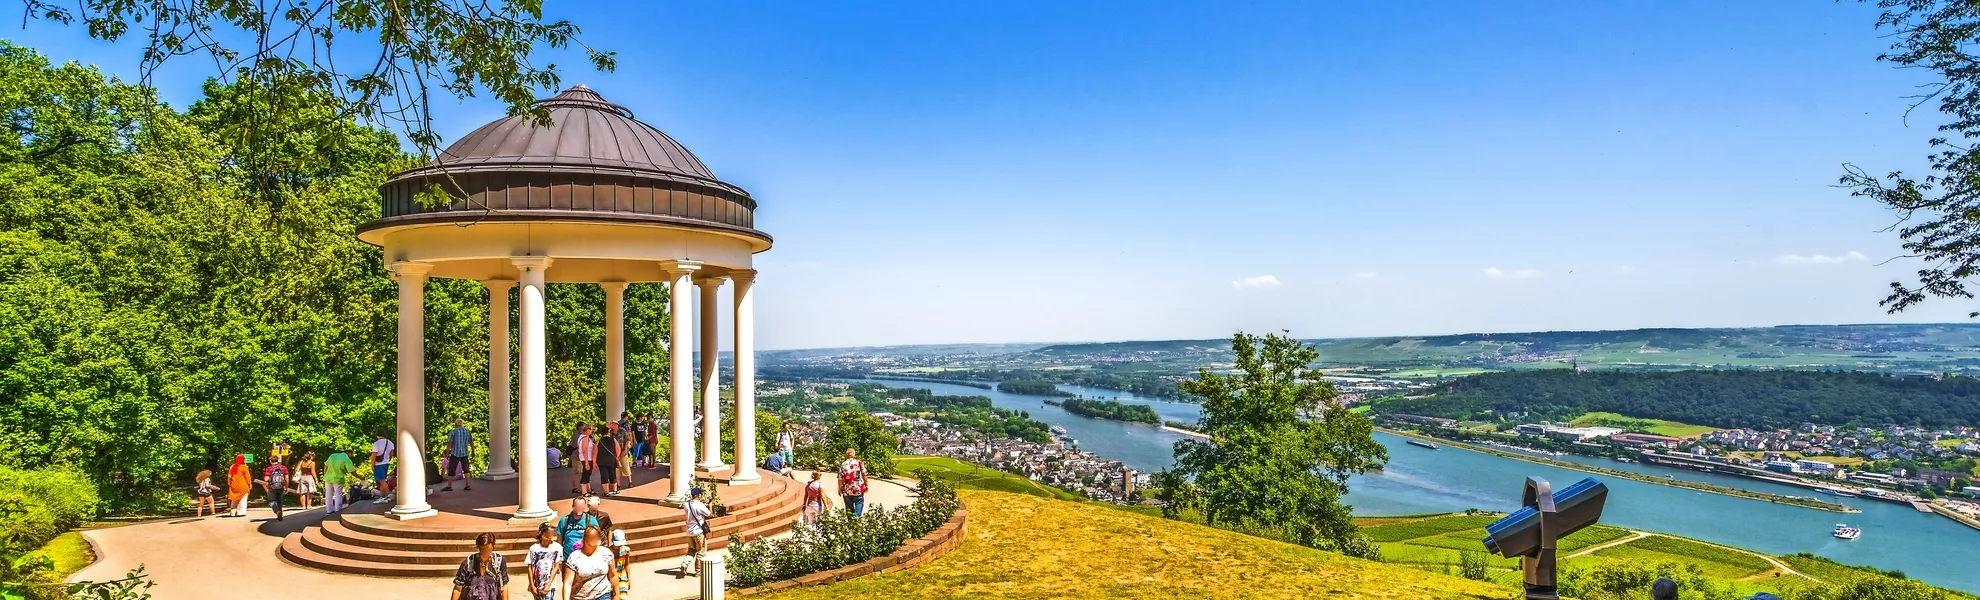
{"points": [[1913, 348], [1726, 398]]}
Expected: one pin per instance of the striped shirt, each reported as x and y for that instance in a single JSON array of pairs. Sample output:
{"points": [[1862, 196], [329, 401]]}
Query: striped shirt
{"points": [[460, 439]]}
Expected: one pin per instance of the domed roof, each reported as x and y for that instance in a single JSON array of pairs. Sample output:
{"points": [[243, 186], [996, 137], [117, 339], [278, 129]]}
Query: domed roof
{"points": [[593, 162], [587, 131]]}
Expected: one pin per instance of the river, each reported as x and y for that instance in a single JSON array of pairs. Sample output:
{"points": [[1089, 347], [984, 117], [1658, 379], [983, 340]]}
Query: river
{"points": [[1927, 547]]}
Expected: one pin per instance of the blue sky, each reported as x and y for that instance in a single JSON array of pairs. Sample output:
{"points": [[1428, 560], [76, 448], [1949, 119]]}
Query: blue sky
{"points": [[1055, 171]]}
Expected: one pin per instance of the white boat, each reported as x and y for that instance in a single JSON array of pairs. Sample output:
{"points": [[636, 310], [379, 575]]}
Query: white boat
{"points": [[1846, 532]]}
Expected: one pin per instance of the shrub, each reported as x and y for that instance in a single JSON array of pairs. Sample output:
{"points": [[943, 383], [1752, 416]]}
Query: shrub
{"points": [[45, 503], [1473, 565], [839, 539]]}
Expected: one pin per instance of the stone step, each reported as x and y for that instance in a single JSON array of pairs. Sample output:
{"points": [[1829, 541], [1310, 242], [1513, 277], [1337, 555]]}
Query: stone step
{"points": [[337, 531], [385, 526], [297, 550]]}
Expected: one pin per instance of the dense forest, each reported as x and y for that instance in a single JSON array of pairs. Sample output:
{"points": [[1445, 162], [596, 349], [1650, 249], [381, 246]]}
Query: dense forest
{"points": [[161, 307], [1112, 409], [1720, 398], [1030, 387]]}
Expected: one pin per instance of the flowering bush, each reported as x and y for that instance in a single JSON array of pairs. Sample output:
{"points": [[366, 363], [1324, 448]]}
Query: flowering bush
{"points": [[839, 538]]}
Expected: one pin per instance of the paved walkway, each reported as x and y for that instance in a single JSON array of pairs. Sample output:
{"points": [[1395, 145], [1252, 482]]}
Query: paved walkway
{"points": [[219, 557]]}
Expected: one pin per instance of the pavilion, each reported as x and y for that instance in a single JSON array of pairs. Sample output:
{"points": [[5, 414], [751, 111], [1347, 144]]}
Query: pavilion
{"points": [[595, 197]]}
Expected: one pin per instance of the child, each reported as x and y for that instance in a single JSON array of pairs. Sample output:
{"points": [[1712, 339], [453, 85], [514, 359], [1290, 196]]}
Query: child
{"points": [[621, 564], [545, 557], [203, 494]]}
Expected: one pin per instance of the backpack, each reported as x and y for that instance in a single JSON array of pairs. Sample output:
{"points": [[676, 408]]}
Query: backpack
{"points": [[279, 479]]}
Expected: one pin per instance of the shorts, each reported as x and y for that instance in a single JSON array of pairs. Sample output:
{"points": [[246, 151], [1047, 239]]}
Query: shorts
{"points": [[697, 544], [625, 469], [381, 471], [584, 475], [608, 473], [457, 465]]}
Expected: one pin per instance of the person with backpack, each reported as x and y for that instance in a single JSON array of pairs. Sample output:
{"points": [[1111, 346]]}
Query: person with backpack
{"points": [[381, 467], [484, 575], [571, 526], [203, 494], [275, 481], [852, 483], [695, 514]]}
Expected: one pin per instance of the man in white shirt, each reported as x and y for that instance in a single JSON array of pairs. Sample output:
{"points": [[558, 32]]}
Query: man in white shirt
{"points": [[785, 445], [381, 467], [696, 526]]}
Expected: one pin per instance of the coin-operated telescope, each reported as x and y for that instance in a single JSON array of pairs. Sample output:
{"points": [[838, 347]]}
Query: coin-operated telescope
{"points": [[1530, 533]]}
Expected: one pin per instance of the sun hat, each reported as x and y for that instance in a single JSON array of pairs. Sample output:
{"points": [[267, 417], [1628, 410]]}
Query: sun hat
{"points": [[618, 537]]}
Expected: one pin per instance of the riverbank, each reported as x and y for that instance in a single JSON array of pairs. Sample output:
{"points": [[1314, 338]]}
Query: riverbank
{"points": [[1956, 516], [1678, 483], [1185, 432]]}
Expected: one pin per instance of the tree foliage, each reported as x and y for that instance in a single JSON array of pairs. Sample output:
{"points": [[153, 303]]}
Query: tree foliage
{"points": [[1727, 398], [1282, 449], [866, 436], [308, 66], [1112, 409], [1938, 213], [156, 315]]}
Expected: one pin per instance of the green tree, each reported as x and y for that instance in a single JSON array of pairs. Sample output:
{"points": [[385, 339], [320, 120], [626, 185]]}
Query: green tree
{"points": [[389, 61], [1936, 212], [865, 435], [1282, 449]]}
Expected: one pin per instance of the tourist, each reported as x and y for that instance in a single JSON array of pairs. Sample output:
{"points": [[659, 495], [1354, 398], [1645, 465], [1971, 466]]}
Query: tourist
{"points": [[588, 570], [458, 442], [484, 575], [774, 464], [653, 442], [336, 471], [696, 527], [604, 519], [305, 480], [785, 445], [640, 440], [381, 467], [275, 481], [624, 462], [576, 434], [554, 456], [240, 481], [587, 459], [203, 494], [608, 460], [571, 526], [621, 564], [852, 483], [814, 499], [546, 556]]}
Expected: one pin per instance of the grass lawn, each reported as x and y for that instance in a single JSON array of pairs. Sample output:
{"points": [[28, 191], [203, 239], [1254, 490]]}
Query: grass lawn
{"points": [[1655, 426], [1034, 547], [977, 477], [70, 553], [1715, 561]]}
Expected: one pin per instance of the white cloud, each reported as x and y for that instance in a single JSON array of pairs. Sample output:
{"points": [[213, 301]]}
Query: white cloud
{"points": [[1513, 274], [1261, 281], [1819, 259], [1365, 275]]}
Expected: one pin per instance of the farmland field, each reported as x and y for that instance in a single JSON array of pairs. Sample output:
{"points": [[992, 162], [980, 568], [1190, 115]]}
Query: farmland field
{"points": [[1655, 426]]}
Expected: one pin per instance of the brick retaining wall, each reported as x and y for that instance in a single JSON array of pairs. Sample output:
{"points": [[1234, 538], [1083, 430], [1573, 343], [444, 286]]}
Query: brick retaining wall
{"points": [[910, 554]]}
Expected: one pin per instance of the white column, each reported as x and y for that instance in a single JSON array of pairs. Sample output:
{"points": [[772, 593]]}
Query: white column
{"points": [[680, 384], [711, 390], [745, 362], [533, 478], [412, 392], [615, 348], [500, 464]]}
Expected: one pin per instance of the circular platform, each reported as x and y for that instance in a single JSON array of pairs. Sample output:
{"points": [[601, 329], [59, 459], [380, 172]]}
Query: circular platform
{"points": [[363, 540]]}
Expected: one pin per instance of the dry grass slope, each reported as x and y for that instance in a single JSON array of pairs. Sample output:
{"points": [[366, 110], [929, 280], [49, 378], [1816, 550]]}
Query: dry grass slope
{"points": [[1032, 547]]}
